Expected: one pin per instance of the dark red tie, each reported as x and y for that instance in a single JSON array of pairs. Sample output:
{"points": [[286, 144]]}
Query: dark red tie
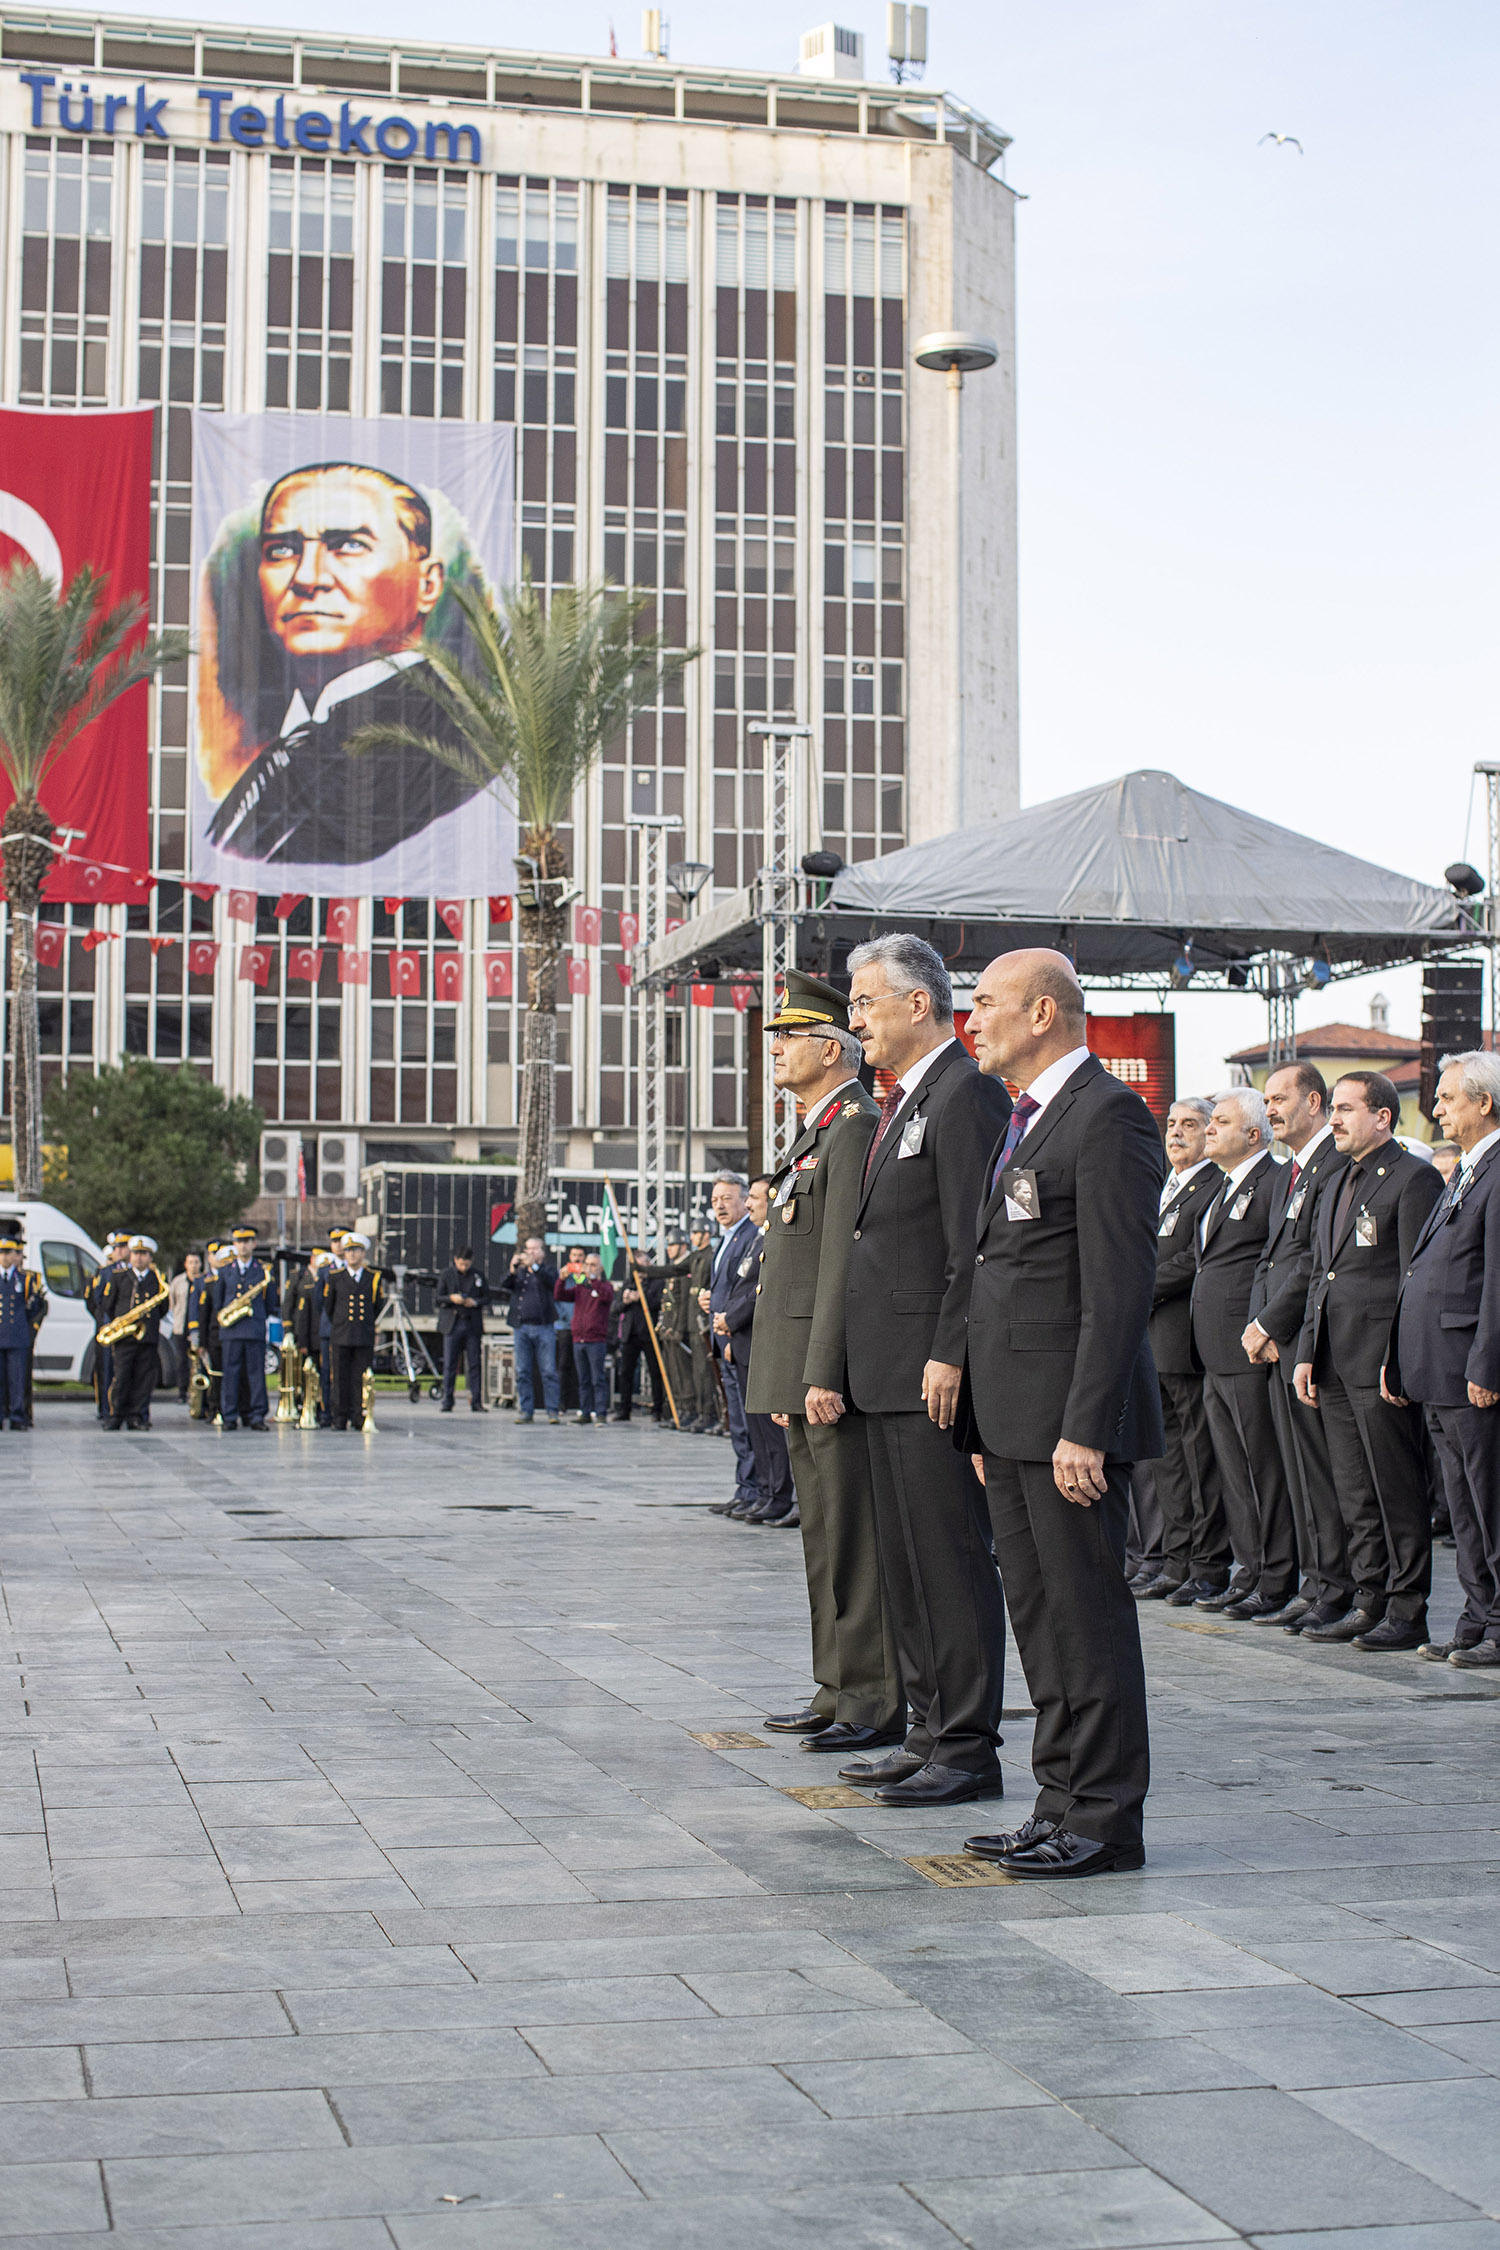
{"points": [[1020, 1119], [888, 1109]]}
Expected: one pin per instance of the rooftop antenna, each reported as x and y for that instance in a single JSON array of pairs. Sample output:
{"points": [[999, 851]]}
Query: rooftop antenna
{"points": [[906, 41], [656, 34]]}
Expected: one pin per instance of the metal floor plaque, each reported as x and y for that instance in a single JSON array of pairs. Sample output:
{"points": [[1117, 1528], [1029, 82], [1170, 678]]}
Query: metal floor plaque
{"points": [[731, 1742], [956, 1871], [831, 1798]]}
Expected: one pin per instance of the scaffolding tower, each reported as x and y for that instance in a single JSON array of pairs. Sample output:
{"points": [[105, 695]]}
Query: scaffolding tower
{"points": [[779, 899], [651, 1039]]}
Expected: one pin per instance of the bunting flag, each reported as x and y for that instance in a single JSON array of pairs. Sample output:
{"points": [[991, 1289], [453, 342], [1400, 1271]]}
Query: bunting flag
{"points": [[203, 956], [305, 963], [202, 890], [51, 944], [448, 977], [288, 903], [242, 906], [502, 907], [451, 914], [499, 975], [672, 922], [341, 923], [742, 995], [255, 964], [622, 971], [159, 944], [405, 971], [703, 995], [578, 976], [93, 939], [354, 965], [630, 931], [588, 925], [393, 906]]}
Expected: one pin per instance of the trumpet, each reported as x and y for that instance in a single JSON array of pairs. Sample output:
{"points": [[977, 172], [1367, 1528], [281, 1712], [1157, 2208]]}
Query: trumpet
{"points": [[291, 1380], [131, 1326], [238, 1308], [312, 1394]]}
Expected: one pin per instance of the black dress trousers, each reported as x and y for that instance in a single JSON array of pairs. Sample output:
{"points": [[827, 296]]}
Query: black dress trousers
{"points": [[1195, 1540], [351, 1363], [1381, 1480], [132, 1380], [1322, 1543], [1466, 1440], [1079, 1638], [942, 1590], [1256, 1501]]}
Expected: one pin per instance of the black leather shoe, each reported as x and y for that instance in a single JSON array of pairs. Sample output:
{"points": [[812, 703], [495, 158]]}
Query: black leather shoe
{"points": [[842, 1736], [791, 1520], [1321, 1613], [798, 1722], [446, 1407], [1227, 1596], [1155, 1589], [1290, 1614], [1345, 1628], [744, 1511], [941, 1785], [1193, 1590], [879, 1773], [1393, 1634], [252, 1425], [1256, 1609], [1438, 1652], [1032, 1830], [1063, 1854], [1482, 1656]]}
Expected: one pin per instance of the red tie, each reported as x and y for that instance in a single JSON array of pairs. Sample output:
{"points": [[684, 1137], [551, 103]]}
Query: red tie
{"points": [[888, 1109], [1296, 1174]]}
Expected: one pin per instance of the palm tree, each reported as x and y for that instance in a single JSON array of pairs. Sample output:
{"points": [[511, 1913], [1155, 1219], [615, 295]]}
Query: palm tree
{"points": [[546, 687], [64, 658]]}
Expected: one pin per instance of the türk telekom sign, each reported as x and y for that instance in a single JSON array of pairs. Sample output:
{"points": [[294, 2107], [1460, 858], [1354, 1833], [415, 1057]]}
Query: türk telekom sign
{"points": [[70, 105]]}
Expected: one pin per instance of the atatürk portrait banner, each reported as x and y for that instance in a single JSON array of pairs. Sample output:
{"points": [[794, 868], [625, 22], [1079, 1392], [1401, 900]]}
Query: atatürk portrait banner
{"points": [[327, 557]]}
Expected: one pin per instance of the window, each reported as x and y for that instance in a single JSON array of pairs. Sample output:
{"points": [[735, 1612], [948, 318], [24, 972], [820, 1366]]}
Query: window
{"points": [[67, 271], [67, 1269], [310, 284]]}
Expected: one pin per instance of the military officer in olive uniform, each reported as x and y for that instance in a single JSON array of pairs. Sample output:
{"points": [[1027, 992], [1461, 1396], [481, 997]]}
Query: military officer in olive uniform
{"points": [[352, 1293], [797, 1373], [705, 1394]]}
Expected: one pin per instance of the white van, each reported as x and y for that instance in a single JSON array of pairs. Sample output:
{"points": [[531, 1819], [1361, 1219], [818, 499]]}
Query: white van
{"points": [[58, 1249]]}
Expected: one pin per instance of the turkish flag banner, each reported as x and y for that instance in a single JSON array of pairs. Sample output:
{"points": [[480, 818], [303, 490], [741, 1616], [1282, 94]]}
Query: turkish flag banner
{"points": [[406, 975], [673, 922], [255, 964], [741, 995], [578, 976], [393, 906], [201, 890], [141, 886], [51, 944], [502, 907], [499, 975], [288, 903], [159, 944], [448, 976], [703, 995], [305, 963], [203, 955], [630, 931], [77, 489], [342, 921], [242, 906], [354, 965], [95, 938], [451, 915], [622, 971], [588, 925]]}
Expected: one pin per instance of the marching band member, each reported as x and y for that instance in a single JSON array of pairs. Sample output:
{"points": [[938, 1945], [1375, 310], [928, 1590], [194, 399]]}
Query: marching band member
{"points": [[134, 1357], [352, 1292], [243, 1340], [23, 1308]]}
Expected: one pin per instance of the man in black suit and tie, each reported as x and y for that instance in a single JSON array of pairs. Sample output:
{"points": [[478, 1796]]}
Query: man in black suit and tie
{"points": [[739, 1239], [1297, 1108], [1060, 1397], [907, 1299], [1237, 1396], [1445, 1349], [1195, 1540], [1365, 1238]]}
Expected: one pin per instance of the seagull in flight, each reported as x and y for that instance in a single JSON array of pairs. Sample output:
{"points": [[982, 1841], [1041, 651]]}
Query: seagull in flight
{"points": [[1282, 140]]}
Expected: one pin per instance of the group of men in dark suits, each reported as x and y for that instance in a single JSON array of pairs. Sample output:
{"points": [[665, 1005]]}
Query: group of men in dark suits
{"points": [[1327, 1343]]}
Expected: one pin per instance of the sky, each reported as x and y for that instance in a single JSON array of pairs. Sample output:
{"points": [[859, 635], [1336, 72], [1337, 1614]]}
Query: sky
{"points": [[1257, 441]]}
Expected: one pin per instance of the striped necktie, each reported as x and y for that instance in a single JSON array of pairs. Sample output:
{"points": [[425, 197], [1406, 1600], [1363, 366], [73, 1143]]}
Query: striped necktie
{"points": [[1020, 1124]]}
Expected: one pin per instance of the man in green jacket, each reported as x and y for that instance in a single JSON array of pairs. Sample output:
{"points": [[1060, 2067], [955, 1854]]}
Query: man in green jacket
{"points": [[797, 1373]]}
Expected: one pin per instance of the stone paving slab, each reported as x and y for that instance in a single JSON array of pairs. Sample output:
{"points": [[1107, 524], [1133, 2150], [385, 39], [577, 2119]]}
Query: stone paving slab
{"points": [[362, 1883]]}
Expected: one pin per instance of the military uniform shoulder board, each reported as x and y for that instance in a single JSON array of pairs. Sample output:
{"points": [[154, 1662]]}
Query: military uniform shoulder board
{"points": [[853, 1109]]}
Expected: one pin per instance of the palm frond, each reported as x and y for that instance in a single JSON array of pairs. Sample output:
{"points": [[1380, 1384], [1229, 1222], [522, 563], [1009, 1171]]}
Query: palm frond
{"points": [[64, 659]]}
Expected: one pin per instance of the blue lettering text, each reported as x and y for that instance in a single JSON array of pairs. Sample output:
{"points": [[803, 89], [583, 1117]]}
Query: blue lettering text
{"points": [[247, 126], [148, 116], [65, 117], [352, 132], [388, 128], [37, 83], [280, 128], [216, 98], [313, 129], [455, 136], [113, 104]]}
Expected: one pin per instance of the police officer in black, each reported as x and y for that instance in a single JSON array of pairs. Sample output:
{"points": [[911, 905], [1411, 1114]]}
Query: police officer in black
{"points": [[462, 1295], [135, 1361], [352, 1293]]}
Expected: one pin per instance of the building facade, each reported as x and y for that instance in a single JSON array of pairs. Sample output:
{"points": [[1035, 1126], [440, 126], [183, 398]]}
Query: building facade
{"points": [[694, 294]]}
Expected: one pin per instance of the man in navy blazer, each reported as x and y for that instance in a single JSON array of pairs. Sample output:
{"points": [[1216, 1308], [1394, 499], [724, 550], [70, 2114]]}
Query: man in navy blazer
{"points": [[1060, 1398], [738, 1246], [1445, 1348]]}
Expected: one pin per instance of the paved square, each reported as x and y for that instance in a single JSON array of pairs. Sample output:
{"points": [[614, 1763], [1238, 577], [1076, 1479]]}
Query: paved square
{"points": [[365, 1879]]}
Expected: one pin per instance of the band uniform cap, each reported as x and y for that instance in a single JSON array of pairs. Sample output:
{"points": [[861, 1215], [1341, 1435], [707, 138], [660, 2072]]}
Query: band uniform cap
{"points": [[243, 1234], [356, 1242], [809, 1004], [9, 1242], [143, 1242], [222, 1255]]}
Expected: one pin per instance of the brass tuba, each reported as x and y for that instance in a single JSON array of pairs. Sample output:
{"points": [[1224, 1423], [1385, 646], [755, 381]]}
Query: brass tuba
{"points": [[291, 1379], [367, 1400], [312, 1393]]}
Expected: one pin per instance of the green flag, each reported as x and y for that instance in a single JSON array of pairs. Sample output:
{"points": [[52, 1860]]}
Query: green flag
{"points": [[609, 1237]]}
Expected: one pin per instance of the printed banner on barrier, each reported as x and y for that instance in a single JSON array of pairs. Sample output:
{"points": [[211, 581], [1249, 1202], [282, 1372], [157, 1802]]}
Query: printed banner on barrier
{"points": [[327, 554], [75, 489]]}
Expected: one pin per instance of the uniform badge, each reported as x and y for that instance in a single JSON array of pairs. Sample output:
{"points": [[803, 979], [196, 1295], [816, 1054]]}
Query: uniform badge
{"points": [[1298, 1199], [1241, 1203], [1168, 1224], [1366, 1233], [913, 1132], [1021, 1198]]}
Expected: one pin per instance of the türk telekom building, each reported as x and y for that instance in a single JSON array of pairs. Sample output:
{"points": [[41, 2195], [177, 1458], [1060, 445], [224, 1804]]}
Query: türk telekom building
{"points": [[694, 293]]}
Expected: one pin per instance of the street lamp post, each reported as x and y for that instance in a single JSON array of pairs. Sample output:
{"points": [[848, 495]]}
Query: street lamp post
{"points": [[957, 353], [687, 878]]}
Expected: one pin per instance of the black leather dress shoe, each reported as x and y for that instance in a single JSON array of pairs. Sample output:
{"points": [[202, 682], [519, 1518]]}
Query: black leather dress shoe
{"points": [[1321, 1613], [1345, 1628], [1227, 1596], [1011, 1840], [1063, 1854], [1193, 1590], [842, 1736], [1438, 1652], [789, 1520], [941, 1785], [798, 1722], [1393, 1634], [878, 1773], [1290, 1613], [1255, 1609], [1478, 1657], [1154, 1589]]}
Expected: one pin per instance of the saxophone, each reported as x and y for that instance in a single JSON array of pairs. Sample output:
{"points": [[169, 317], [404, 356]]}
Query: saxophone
{"points": [[238, 1308], [131, 1326]]}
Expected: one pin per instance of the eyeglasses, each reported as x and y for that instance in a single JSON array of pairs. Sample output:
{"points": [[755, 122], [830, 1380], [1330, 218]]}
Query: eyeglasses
{"points": [[861, 1005]]}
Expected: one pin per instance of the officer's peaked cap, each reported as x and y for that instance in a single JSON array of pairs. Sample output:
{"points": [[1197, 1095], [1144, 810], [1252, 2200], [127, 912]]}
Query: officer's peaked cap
{"points": [[808, 1004]]}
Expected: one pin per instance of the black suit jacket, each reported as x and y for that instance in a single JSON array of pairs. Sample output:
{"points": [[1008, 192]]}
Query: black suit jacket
{"points": [[353, 1301], [1446, 1333], [912, 1264], [1351, 1299], [452, 1283], [1278, 1295], [1226, 1269], [1171, 1329], [1057, 1316]]}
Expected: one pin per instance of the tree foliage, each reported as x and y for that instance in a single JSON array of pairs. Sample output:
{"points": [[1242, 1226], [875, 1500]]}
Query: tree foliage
{"points": [[162, 1152]]}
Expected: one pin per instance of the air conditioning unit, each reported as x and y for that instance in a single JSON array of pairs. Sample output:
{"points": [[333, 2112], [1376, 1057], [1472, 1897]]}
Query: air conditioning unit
{"points": [[338, 1163], [280, 1156], [832, 51]]}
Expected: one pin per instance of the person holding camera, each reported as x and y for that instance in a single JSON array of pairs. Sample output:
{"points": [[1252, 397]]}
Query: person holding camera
{"points": [[462, 1295], [530, 1285]]}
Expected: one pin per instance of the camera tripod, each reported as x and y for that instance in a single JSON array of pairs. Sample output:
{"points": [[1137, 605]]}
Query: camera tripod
{"points": [[406, 1343]]}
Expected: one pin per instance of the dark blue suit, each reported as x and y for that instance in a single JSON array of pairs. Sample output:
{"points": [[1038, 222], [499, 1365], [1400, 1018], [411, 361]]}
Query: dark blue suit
{"points": [[727, 1294], [1445, 1336], [243, 1394], [23, 1307]]}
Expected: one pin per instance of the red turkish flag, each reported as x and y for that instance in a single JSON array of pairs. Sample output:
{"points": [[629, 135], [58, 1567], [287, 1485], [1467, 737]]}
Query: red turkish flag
{"points": [[499, 975], [305, 963], [201, 890], [157, 944], [78, 490], [288, 903], [502, 907], [141, 886], [354, 965], [742, 995], [630, 931], [673, 922], [343, 920], [588, 925], [255, 964], [622, 971], [95, 938], [393, 906], [51, 944], [448, 976], [242, 906], [578, 976], [451, 913], [203, 954], [406, 975], [703, 995]]}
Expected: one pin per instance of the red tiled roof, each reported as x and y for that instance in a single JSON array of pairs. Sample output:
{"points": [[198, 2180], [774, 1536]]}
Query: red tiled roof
{"points": [[1337, 1039]]}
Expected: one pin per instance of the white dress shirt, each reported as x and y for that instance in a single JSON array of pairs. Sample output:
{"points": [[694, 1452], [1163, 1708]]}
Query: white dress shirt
{"points": [[1049, 1083], [1230, 1189], [1176, 1180], [912, 1077], [1467, 1162], [1303, 1156]]}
